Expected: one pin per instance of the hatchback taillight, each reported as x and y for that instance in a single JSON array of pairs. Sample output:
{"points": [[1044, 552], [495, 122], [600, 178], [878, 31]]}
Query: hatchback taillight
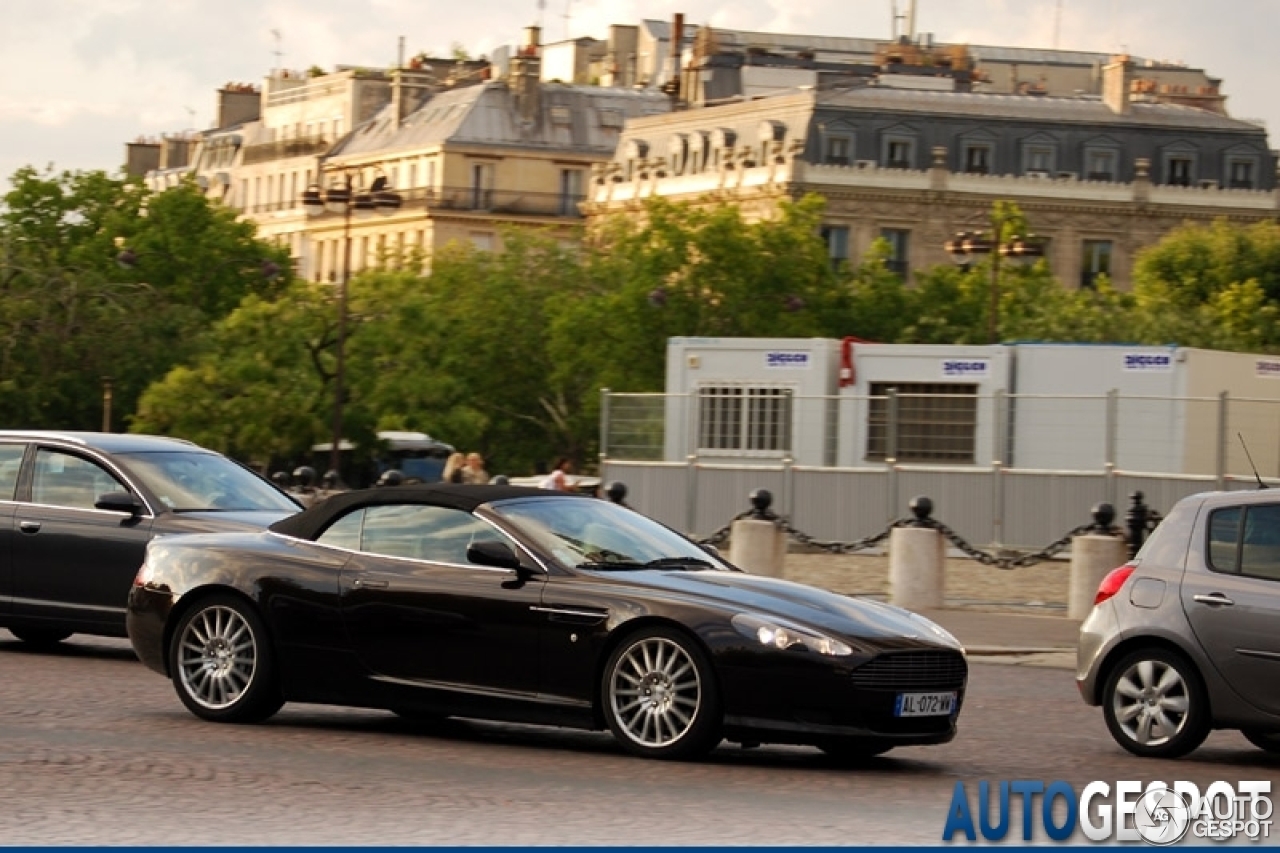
{"points": [[1113, 581]]}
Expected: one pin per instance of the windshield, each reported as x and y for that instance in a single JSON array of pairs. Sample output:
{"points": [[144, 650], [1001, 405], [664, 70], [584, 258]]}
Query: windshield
{"points": [[594, 534], [189, 481]]}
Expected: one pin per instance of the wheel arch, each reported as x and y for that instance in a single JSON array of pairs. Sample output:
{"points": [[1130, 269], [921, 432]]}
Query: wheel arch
{"points": [[1132, 644], [194, 596], [624, 632]]}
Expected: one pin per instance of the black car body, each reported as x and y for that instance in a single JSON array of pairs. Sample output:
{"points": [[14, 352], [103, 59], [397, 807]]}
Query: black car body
{"points": [[78, 509], [504, 602]]}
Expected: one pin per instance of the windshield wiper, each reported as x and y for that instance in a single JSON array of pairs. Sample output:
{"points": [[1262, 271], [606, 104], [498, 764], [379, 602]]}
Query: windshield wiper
{"points": [[679, 563], [603, 566]]}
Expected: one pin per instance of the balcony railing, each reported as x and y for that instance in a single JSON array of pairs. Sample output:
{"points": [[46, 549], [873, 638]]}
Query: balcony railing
{"points": [[302, 146], [497, 202]]}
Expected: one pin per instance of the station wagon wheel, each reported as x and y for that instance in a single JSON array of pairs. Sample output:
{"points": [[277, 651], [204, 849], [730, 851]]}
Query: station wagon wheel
{"points": [[221, 663], [40, 638], [660, 696], [1155, 704]]}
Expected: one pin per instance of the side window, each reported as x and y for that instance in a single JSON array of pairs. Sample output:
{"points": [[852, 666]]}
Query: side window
{"points": [[1260, 545], [345, 532], [434, 533], [70, 481], [10, 465], [1224, 539]]}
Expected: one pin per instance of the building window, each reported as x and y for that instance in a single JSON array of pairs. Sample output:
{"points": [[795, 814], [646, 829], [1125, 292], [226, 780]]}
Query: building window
{"points": [[923, 421], [1096, 261], [482, 240], [1179, 170], [1240, 174], [977, 159], [481, 186], [837, 239], [1038, 159], [899, 153], [1100, 165], [571, 183], [899, 250], [744, 418], [839, 151]]}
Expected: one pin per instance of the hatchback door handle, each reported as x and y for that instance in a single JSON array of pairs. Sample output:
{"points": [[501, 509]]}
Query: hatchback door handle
{"points": [[29, 526], [369, 583], [1214, 598]]}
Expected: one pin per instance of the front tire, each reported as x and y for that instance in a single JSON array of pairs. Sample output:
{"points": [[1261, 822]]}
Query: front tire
{"points": [[40, 638], [1155, 704], [660, 696], [221, 662], [1266, 741]]}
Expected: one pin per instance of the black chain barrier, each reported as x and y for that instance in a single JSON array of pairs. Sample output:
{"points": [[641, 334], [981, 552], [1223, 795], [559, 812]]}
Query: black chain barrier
{"points": [[1103, 516]]}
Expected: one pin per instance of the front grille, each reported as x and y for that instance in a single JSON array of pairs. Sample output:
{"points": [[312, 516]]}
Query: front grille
{"points": [[935, 670]]}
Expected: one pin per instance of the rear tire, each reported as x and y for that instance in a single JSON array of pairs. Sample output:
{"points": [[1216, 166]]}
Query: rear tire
{"points": [[221, 662], [660, 696], [1155, 704], [40, 638], [1266, 741]]}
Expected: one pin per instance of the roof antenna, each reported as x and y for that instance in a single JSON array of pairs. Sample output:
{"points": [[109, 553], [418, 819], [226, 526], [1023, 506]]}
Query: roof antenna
{"points": [[1256, 475]]}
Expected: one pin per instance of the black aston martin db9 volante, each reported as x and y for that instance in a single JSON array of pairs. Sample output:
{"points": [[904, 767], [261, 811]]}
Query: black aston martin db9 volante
{"points": [[519, 604]]}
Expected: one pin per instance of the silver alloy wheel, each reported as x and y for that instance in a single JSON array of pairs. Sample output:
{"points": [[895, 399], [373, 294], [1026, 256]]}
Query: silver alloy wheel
{"points": [[217, 657], [655, 692], [1151, 702]]}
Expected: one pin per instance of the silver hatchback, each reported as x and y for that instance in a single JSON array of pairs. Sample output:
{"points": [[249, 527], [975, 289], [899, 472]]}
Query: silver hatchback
{"points": [[1185, 637]]}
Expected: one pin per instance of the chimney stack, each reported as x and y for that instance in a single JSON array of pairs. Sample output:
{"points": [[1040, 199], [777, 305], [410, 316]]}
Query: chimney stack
{"points": [[526, 76], [1117, 82]]}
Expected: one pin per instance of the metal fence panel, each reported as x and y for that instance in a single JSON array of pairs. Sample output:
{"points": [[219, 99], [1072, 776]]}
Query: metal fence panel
{"points": [[1039, 507], [840, 504], [962, 499], [1160, 492], [723, 492], [657, 489]]}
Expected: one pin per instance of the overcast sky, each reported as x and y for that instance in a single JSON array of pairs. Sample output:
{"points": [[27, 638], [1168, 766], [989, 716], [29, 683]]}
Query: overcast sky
{"points": [[80, 78]]}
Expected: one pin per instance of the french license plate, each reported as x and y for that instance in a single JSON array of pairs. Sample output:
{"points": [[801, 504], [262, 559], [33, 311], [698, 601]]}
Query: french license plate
{"points": [[924, 704]]}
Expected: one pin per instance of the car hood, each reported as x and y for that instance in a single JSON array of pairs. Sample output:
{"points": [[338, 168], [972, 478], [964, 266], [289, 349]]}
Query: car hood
{"points": [[214, 521], [807, 605]]}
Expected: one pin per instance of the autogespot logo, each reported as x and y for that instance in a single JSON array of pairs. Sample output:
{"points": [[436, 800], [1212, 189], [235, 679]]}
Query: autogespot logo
{"points": [[1156, 813]]}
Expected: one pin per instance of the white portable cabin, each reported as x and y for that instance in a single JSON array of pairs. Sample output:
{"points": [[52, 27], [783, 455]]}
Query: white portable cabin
{"points": [[751, 400], [825, 402]]}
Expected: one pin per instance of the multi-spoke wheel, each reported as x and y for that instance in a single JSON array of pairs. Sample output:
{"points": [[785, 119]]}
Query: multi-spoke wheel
{"points": [[1155, 705], [41, 638], [221, 662], [660, 696]]}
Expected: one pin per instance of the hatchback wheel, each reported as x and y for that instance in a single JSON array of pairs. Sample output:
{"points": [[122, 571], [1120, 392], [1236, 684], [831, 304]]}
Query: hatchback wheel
{"points": [[40, 637], [660, 696], [1155, 704], [1269, 741], [221, 662]]}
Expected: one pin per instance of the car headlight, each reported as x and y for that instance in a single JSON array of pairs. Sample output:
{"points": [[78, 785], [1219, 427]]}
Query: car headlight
{"points": [[785, 635]]}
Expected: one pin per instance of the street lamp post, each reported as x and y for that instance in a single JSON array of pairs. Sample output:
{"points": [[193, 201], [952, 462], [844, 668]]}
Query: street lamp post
{"points": [[344, 198], [968, 245]]}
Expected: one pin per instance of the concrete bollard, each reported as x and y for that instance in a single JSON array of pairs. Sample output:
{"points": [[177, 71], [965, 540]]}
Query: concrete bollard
{"points": [[917, 556], [758, 546], [1092, 556]]}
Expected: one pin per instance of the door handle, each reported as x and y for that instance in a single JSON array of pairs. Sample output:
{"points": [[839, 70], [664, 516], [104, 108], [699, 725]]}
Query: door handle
{"points": [[29, 526], [369, 583], [1216, 598]]}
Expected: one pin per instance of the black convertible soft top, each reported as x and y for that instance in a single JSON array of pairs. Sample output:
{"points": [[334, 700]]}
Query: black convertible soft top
{"points": [[312, 521]]}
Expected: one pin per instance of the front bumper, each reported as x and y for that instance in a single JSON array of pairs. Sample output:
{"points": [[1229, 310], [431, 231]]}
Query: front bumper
{"points": [[145, 620]]}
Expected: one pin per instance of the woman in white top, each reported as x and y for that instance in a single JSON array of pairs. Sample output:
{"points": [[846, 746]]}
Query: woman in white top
{"points": [[558, 479]]}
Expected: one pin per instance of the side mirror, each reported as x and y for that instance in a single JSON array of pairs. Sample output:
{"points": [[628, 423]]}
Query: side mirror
{"points": [[119, 502], [491, 553]]}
